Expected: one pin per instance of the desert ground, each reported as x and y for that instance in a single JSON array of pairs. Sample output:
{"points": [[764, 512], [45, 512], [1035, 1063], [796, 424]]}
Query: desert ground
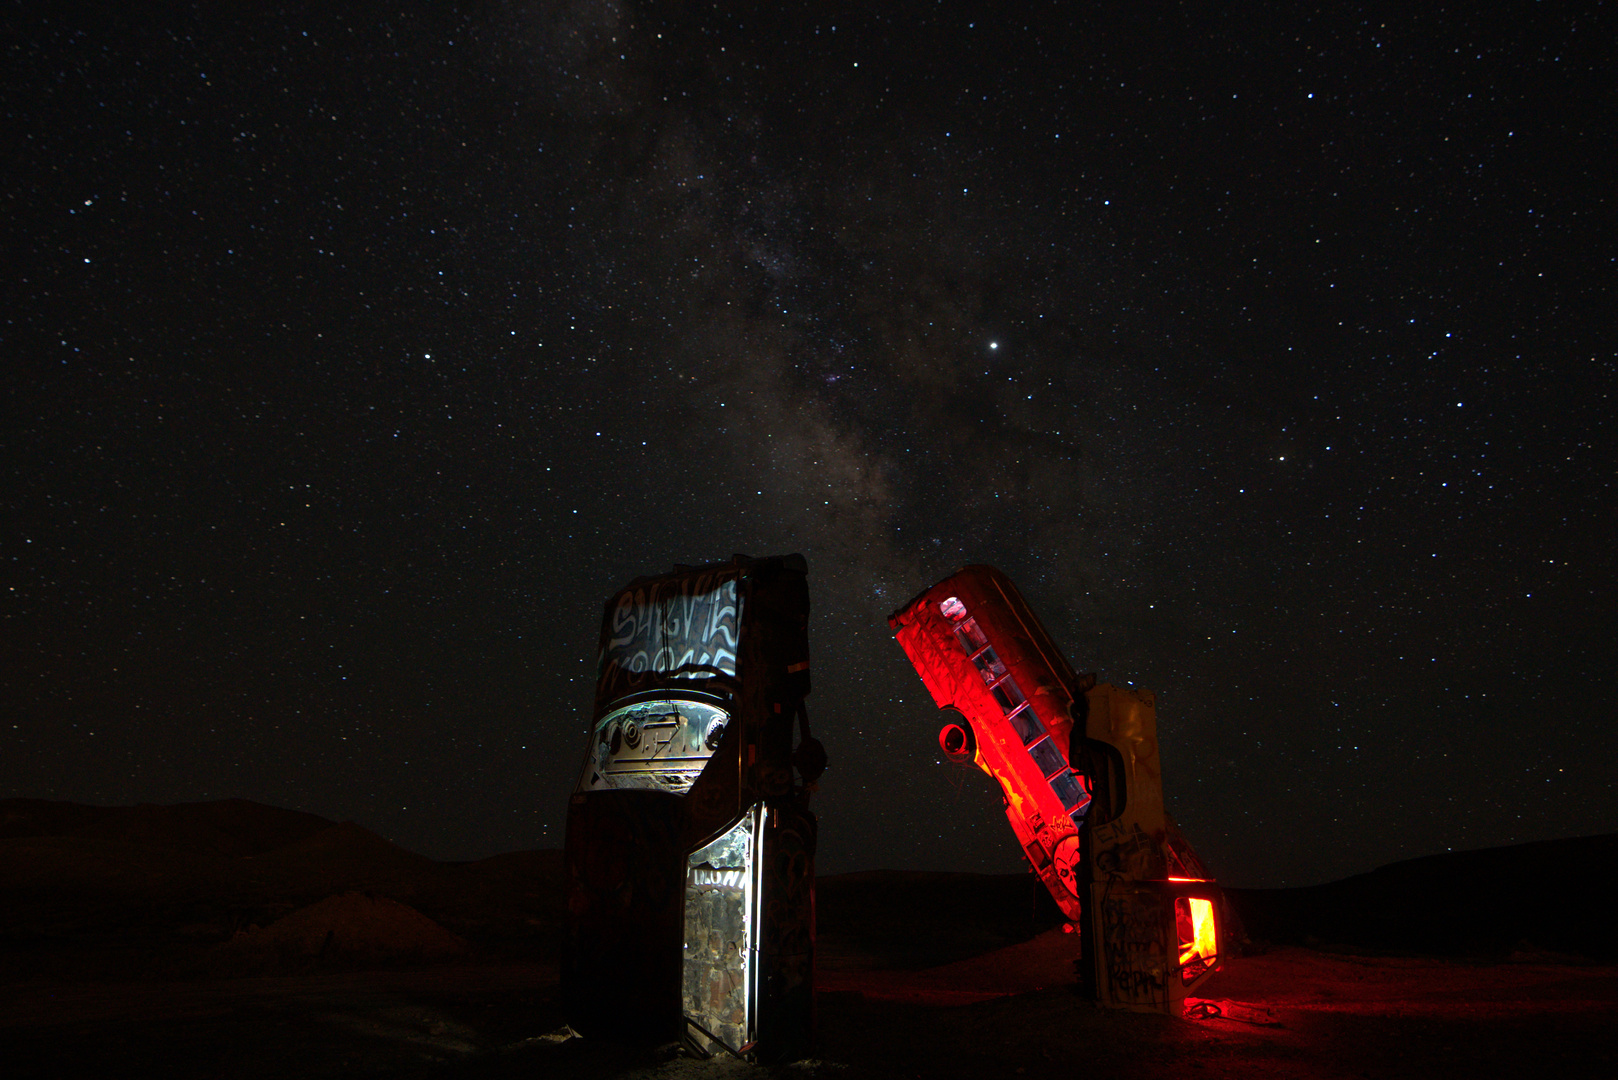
{"points": [[238, 941]]}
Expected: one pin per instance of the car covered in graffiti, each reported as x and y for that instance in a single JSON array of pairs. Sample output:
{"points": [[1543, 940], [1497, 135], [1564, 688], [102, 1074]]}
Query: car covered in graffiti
{"points": [[1011, 701], [690, 844], [1077, 765]]}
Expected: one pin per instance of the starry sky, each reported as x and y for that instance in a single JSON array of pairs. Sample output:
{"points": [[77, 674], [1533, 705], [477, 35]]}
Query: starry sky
{"points": [[355, 355]]}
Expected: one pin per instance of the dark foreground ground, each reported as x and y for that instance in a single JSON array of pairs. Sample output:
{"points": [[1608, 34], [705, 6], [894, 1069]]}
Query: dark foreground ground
{"points": [[238, 941], [1290, 1012]]}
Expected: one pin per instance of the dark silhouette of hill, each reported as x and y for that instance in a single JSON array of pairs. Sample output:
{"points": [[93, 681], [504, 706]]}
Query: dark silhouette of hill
{"points": [[1553, 895], [229, 827], [915, 919], [345, 856], [150, 880], [148, 888]]}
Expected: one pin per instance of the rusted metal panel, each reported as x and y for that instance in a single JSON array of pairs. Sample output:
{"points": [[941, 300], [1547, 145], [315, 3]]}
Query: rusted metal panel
{"points": [[720, 963]]}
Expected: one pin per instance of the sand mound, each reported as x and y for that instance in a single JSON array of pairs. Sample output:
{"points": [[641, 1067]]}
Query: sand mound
{"points": [[351, 930]]}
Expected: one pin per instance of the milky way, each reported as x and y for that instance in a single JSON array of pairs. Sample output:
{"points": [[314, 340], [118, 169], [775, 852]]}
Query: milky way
{"points": [[356, 362]]}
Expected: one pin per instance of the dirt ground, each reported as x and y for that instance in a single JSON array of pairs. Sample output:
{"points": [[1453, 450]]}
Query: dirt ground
{"points": [[1010, 1012], [234, 941]]}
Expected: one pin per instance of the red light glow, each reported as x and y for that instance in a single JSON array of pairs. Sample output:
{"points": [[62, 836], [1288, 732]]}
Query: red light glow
{"points": [[1199, 945]]}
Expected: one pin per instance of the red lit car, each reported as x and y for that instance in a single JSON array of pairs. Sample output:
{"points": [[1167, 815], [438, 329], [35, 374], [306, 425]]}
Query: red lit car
{"points": [[1077, 763], [983, 655]]}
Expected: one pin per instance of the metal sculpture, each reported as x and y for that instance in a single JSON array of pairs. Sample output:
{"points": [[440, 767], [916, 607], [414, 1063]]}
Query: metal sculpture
{"points": [[1077, 763], [690, 845]]}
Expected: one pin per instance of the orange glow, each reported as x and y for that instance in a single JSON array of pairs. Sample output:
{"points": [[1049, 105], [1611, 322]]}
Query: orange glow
{"points": [[1188, 879], [1199, 943]]}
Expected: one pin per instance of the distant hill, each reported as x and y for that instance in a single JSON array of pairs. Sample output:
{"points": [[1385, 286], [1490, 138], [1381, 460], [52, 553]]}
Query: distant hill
{"points": [[154, 880], [915, 919], [1554, 895], [146, 877], [228, 827]]}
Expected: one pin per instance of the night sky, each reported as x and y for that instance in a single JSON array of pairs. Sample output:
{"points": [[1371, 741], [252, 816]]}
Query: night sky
{"points": [[354, 357]]}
